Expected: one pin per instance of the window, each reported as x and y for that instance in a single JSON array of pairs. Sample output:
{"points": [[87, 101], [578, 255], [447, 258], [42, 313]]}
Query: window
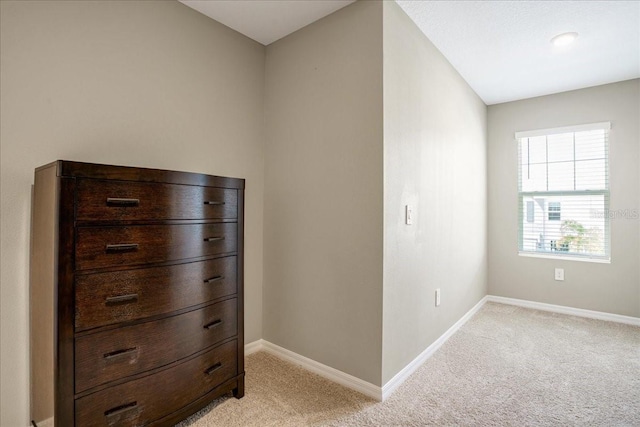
{"points": [[564, 175], [554, 211], [531, 212]]}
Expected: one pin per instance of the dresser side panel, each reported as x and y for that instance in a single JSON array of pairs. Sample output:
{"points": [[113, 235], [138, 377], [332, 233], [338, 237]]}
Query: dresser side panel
{"points": [[42, 300]]}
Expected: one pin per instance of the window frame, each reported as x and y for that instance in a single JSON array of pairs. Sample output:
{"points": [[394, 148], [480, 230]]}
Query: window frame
{"points": [[522, 195]]}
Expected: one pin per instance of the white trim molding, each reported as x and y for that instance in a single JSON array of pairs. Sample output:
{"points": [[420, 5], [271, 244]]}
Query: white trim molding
{"points": [[382, 393], [566, 257], [564, 129], [318, 368], [325, 371], [253, 347], [610, 317], [354, 383], [402, 376]]}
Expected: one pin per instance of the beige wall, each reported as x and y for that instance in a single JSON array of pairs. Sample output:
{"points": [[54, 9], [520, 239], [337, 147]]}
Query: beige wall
{"points": [[434, 160], [323, 191], [151, 84], [612, 288]]}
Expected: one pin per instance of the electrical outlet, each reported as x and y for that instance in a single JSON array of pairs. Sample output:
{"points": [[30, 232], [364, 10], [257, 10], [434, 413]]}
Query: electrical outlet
{"points": [[438, 297], [559, 275]]}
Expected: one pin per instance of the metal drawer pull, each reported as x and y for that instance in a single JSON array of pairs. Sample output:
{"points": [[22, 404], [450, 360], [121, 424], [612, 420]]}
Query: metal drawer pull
{"points": [[117, 201], [120, 409], [210, 202], [214, 279], [213, 324], [213, 239], [122, 247], [214, 368], [118, 353], [121, 299]]}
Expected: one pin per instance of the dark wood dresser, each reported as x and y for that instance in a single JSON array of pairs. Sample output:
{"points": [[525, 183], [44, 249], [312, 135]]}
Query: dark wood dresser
{"points": [[136, 294]]}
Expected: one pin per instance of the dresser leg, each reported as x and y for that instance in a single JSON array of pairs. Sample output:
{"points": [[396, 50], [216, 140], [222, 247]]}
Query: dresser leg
{"points": [[238, 392]]}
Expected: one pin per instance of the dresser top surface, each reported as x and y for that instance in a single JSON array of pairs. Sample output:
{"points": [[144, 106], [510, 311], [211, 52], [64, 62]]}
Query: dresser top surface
{"points": [[65, 168]]}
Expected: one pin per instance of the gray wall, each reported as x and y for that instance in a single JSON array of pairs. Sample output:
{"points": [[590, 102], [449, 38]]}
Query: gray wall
{"points": [[323, 191], [612, 288], [152, 84], [435, 160]]}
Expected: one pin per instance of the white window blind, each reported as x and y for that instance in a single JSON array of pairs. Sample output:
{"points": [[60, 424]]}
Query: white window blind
{"points": [[563, 191]]}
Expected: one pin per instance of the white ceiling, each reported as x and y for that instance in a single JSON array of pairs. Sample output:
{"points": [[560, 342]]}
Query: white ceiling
{"points": [[501, 48], [266, 21]]}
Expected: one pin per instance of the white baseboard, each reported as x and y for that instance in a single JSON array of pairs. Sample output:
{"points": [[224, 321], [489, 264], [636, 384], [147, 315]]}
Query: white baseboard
{"points": [[325, 371], [382, 393], [402, 376], [253, 347], [610, 317], [354, 383]]}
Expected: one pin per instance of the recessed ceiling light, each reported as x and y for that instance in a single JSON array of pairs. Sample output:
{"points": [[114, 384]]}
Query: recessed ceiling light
{"points": [[564, 39]]}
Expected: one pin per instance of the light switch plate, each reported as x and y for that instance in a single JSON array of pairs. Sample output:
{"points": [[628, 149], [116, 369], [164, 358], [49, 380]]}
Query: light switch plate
{"points": [[408, 215]]}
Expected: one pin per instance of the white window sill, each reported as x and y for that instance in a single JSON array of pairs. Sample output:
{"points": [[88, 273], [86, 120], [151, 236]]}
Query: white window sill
{"points": [[565, 257]]}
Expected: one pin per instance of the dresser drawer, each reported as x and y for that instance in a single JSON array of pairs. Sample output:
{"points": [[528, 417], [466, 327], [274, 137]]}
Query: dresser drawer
{"points": [[141, 401], [120, 296], [99, 247], [117, 353], [125, 200]]}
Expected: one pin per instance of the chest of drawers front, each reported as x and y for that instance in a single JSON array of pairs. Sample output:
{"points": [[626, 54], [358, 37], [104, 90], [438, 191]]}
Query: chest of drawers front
{"points": [[149, 314]]}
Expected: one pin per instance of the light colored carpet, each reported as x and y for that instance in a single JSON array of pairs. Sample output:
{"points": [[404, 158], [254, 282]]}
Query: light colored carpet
{"points": [[508, 366]]}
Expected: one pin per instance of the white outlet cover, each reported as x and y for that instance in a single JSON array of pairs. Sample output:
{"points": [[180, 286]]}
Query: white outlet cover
{"points": [[408, 214], [559, 274]]}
